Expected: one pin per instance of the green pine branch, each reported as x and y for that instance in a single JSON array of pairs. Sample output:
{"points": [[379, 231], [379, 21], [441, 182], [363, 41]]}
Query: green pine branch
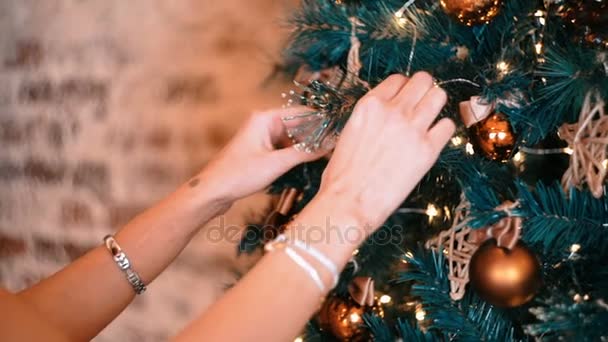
{"points": [[470, 319], [555, 221]]}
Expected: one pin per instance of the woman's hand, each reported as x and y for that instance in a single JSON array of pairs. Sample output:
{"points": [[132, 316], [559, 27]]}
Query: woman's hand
{"points": [[386, 147], [252, 159]]}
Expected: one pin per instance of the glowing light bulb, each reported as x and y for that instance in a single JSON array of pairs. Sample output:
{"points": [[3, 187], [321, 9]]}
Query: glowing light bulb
{"points": [[503, 67], [538, 48], [457, 141], [420, 313], [385, 299], [432, 211], [518, 157], [354, 317], [575, 248], [469, 149]]}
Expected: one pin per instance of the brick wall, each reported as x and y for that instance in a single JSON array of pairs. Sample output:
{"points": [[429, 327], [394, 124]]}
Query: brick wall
{"points": [[105, 107]]}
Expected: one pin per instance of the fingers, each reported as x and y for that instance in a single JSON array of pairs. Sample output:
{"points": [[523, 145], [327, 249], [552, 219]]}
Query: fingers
{"points": [[390, 87], [414, 90], [441, 133], [272, 122], [429, 107]]}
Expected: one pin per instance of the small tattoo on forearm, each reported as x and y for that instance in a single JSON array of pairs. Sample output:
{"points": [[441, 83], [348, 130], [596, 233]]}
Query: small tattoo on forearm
{"points": [[194, 182]]}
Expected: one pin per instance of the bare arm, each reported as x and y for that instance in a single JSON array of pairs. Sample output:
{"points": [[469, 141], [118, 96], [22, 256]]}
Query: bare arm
{"points": [[86, 296], [385, 149]]}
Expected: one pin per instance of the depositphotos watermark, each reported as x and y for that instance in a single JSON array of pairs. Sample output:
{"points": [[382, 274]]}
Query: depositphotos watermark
{"points": [[311, 234]]}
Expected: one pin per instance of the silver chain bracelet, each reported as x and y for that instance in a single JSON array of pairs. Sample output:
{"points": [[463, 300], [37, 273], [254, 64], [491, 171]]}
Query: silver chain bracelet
{"points": [[124, 264]]}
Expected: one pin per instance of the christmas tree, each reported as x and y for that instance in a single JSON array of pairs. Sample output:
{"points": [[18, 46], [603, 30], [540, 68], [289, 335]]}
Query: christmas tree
{"points": [[506, 238]]}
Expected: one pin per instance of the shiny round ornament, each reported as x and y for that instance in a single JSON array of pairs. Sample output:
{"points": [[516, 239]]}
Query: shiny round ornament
{"points": [[493, 137], [505, 278], [589, 18], [343, 318], [472, 12]]}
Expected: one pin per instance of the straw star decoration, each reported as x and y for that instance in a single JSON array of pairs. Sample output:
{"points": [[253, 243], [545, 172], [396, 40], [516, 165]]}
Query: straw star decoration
{"points": [[588, 139]]}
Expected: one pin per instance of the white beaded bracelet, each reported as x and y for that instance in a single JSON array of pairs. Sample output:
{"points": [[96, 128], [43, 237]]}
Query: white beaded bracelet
{"points": [[282, 242], [307, 267], [321, 258], [293, 255]]}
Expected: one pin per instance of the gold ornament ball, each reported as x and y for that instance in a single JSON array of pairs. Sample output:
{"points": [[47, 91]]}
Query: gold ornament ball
{"points": [[343, 318], [505, 278], [472, 12], [493, 137]]}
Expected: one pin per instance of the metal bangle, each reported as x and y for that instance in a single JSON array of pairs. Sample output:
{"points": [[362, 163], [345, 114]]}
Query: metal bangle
{"points": [[124, 264]]}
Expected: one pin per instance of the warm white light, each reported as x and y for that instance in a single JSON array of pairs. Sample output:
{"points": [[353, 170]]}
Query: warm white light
{"points": [[503, 67], [354, 317], [420, 314], [538, 47], [575, 248], [432, 211], [502, 135], [569, 151], [298, 339], [355, 252], [469, 149], [605, 163], [402, 21], [541, 17], [385, 299], [518, 157], [457, 141]]}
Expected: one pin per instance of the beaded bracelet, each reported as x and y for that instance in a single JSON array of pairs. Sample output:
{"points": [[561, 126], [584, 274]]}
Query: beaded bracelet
{"points": [[282, 242]]}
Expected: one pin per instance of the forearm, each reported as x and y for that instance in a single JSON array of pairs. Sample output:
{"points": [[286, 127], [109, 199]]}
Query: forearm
{"points": [[88, 294], [277, 288]]}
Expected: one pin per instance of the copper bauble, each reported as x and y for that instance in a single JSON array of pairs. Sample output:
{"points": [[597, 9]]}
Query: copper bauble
{"points": [[493, 137], [472, 12], [343, 318], [589, 18], [502, 277]]}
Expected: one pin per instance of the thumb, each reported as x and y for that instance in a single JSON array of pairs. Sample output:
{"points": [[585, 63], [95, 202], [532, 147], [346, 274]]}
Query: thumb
{"points": [[289, 157]]}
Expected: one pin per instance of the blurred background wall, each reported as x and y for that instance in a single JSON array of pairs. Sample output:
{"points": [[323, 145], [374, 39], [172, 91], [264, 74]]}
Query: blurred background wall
{"points": [[108, 105]]}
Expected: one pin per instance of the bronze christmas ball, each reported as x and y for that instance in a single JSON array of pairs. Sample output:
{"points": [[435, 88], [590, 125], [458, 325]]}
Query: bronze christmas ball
{"points": [[472, 12], [589, 18], [493, 137], [505, 278], [343, 318]]}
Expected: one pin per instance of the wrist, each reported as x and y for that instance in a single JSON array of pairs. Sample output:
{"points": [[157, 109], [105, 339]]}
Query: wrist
{"points": [[331, 224]]}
